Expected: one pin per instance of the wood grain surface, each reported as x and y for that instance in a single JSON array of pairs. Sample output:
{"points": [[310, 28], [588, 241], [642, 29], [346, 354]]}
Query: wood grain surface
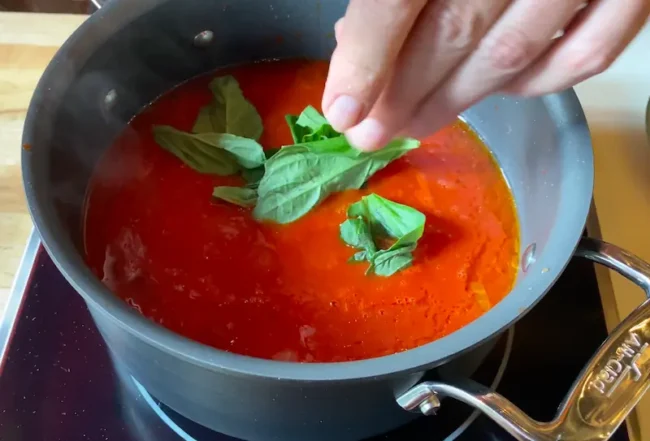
{"points": [[27, 43]]}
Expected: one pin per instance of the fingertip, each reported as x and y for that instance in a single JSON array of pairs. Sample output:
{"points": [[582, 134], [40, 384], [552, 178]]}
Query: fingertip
{"points": [[343, 112], [369, 135]]}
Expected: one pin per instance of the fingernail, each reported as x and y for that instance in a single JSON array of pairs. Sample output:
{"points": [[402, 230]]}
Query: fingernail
{"points": [[368, 135], [343, 113]]}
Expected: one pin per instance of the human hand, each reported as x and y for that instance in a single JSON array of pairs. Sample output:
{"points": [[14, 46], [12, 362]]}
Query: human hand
{"points": [[408, 67]]}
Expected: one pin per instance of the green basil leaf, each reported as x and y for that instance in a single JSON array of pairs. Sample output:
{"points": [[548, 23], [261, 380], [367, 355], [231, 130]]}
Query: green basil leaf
{"points": [[390, 219], [297, 179], [374, 218], [204, 123], [356, 233], [270, 152], [229, 112], [244, 197], [310, 126], [358, 257], [249, 153], [324, 133], [311, 119], [196, 153], [297, 132], [215, 153], [388, 262], [253, 176], [331, 145]]}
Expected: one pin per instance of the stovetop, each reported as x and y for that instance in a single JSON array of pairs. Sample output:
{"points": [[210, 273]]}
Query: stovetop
{"points": [[57, 382]]}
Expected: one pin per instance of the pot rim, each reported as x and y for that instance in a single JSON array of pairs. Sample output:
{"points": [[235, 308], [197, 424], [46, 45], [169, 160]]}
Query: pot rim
{"points": [[558, 251]]}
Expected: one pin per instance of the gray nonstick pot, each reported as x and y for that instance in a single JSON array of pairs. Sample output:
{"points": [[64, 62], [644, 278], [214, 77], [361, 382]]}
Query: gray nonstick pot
{"points": [[130, 52]]}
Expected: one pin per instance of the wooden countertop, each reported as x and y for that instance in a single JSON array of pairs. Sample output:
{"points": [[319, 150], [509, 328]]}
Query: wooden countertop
{"points": [[614, 103], [27, 43]]}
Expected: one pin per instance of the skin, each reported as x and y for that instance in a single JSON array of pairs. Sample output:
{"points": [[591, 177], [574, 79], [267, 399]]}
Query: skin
{"points": [[408, 67]]}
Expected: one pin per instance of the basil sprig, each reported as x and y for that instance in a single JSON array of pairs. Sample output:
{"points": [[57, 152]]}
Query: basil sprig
{"points": [[221, 154], [229, 111], [299, 177], [223, 142], [282, 184], [242, 196], [374, 220]]}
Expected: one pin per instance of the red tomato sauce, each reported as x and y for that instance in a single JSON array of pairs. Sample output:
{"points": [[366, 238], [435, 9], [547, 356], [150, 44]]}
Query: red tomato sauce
{"points": [[207, 270]]}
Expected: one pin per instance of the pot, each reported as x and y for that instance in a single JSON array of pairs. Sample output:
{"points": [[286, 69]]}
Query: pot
{"points": [[128, 53]]}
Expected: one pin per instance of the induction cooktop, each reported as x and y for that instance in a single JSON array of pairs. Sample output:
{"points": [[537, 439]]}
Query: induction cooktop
{"points": [[58, 383]]}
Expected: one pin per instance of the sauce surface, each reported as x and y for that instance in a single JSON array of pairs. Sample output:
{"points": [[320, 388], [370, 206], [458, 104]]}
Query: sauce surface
{"points": [[209, 271]]}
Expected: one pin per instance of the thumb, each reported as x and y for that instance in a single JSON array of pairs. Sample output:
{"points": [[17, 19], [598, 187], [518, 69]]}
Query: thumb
{"points": [[369, 42]]}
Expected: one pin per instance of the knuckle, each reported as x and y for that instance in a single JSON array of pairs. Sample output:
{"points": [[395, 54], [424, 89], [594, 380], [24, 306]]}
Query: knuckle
{"points": [[458, 23], [511, 51], [600, 64], [590, 63]]}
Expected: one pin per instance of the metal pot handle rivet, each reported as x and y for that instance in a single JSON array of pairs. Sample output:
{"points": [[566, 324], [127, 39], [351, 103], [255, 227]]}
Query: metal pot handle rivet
{"points": [[607, 389]]}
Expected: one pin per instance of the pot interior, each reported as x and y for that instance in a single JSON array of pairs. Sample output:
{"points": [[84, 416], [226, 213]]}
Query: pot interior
{"points": [[125, 56]]}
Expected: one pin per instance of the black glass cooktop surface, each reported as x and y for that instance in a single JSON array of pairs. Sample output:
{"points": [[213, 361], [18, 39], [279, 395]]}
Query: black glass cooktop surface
{"points": [[57, 382]]}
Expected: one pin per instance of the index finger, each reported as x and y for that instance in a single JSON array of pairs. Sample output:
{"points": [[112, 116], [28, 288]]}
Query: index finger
{"points": [[368, 45]]}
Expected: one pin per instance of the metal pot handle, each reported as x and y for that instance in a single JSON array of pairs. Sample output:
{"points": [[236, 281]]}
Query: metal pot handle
{"points": [[606, 390]]}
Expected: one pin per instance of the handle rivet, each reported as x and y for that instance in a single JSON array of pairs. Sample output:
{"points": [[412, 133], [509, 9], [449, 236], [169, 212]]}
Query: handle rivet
{"points": [[110, 99], [430, 406], [528, 258], [203, 39]]}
